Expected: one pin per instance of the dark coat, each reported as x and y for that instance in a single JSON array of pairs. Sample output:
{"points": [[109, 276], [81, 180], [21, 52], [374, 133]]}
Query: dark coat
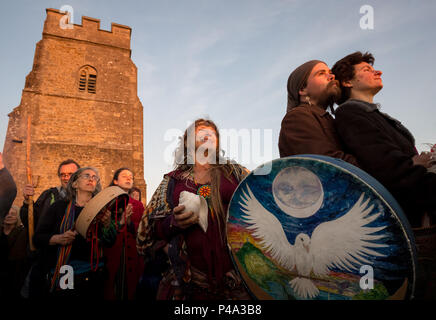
{"points": [[13, 271], [310, 130], [8, 191], [384, 149], [49, 225], [41, 206]]}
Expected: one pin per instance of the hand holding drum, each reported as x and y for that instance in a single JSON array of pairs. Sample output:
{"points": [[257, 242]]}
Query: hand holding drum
{"points": [[127, 214], [424, 159], [100, 208], [105, 218]]}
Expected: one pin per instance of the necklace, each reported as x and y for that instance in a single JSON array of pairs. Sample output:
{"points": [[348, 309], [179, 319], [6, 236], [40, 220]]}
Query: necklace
{"points": [[205, 191], [191, 174]]}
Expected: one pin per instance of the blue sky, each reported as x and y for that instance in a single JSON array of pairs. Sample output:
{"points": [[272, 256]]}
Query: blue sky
{"points": [[230, 60]]}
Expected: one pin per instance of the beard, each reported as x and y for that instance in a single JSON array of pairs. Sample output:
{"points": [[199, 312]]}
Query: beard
{"points": [[331, 94]]}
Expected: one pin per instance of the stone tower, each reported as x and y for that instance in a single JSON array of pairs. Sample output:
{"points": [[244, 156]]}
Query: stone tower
{"points": [[81, 96]]}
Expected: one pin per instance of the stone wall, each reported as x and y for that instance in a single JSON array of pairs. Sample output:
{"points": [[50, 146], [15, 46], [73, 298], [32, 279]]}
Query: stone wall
{"points": [[104, 129]]}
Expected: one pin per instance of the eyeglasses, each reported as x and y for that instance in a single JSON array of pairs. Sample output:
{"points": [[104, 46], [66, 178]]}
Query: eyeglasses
{"points": [[87, 176], [65, 175]]}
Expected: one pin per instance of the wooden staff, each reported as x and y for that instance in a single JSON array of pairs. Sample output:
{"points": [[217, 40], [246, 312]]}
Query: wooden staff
{"points": [[29, 180]]}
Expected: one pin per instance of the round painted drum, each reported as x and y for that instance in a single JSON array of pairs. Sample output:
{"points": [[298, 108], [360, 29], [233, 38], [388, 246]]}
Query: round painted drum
{"points": [[112, 198], [316, 228]]}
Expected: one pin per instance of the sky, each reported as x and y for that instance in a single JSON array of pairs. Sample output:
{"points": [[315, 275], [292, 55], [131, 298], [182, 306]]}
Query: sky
{"points": [[229, 61]]}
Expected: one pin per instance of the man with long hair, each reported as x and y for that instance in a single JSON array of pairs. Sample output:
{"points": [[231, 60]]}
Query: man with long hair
{"points": [[201, 267], [307, 127]]}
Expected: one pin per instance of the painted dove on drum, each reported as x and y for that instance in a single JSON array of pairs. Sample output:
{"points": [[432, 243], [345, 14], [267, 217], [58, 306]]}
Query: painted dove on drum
{"points": [[308, 228], [342, 243]]}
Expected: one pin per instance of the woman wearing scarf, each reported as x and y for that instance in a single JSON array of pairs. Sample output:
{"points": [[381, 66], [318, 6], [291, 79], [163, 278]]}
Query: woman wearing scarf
{"points": [[201, 267], [62, 245]]}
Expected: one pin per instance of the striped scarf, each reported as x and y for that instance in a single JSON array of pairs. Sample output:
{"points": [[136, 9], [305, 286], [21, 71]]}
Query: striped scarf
{"points": [[64, 251]]}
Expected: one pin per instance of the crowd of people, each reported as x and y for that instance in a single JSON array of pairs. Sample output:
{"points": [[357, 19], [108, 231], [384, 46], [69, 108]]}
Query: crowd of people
{"points": [[162, 251]]}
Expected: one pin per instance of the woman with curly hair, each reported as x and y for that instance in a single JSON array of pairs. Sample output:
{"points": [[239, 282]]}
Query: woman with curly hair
{"points": [[61, 245], [201, 267]]}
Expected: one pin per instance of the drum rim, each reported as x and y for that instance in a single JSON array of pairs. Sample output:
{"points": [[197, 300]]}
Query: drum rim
{"points": [[372, 184], [120, 193]]}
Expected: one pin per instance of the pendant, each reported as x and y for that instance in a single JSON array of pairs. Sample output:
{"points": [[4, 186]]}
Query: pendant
{"points": [[204, 191]]}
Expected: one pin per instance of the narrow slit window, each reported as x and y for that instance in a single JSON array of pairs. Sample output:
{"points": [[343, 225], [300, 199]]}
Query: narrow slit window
{"points": [[88, 79]]}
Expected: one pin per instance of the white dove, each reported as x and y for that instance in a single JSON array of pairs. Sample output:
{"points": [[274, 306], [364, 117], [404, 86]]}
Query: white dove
{"points": [[342, 243]]}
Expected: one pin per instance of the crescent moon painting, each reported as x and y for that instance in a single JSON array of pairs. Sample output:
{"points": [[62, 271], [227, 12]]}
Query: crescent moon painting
{"points": [[318, 228]]}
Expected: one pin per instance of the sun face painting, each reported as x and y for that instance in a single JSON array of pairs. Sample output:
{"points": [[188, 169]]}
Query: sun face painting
{"points": [[319, 228]]}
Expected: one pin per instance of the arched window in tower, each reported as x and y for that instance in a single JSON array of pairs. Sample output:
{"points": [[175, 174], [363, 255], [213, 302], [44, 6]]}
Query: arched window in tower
{"points": [[88, 79]]}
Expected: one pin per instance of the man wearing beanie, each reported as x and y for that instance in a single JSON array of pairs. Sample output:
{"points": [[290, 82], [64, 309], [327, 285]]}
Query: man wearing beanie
{"points": [[307, 127]]}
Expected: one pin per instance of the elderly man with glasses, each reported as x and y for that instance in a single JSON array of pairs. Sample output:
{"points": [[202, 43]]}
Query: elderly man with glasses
{"points": [[40, 207], [48, 197]]}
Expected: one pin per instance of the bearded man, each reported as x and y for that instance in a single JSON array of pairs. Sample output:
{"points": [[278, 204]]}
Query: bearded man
{"points": [[307, 127]]}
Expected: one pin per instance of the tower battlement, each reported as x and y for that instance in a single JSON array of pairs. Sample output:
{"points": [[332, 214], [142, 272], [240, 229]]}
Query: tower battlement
{"points": [[81, 97], [56, 25]]}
